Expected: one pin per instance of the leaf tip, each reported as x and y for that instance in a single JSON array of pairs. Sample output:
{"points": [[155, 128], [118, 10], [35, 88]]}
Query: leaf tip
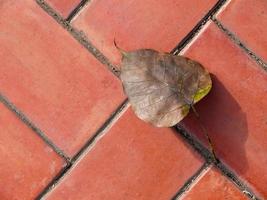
{"points": [[124, 53]]}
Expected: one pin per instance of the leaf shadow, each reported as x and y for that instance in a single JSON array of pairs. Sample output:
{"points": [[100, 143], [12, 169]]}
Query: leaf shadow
{"points": [[226, 124]]}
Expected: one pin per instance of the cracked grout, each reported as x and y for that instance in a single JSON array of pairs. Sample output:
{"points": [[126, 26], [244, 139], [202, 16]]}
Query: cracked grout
{"points": [[77, 10], [239, 43], [79, 36], [85, 149], [27, 121]]}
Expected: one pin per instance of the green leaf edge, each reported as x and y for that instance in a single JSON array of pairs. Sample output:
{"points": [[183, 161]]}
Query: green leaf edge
{"points": [[202, 92]]}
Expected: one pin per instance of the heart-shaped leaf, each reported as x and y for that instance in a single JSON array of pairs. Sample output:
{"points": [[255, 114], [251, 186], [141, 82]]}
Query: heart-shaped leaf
{"points": [[161, 87]]}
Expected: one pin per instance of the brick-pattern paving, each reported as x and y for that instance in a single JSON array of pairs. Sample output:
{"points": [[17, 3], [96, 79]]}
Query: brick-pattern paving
{"points": [[68, 132], [131, 164], [236, 123], [45, 67], [27, 164]]}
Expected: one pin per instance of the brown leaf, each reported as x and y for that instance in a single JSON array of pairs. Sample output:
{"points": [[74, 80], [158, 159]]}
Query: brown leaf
{"points": [[161, 86]]}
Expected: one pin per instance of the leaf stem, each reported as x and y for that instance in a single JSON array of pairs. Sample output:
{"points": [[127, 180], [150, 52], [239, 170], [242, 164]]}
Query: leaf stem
{"points": [[211, 146]]}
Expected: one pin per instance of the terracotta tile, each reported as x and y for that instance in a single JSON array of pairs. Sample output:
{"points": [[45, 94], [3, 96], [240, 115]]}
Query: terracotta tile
{"points": [[132, 161], [64, 7], [48, 75], [235, 110], [140, 24], [214, 186], [27, 164], [248, 20]]}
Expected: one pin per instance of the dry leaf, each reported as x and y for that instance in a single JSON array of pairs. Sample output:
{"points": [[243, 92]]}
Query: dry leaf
{"points": [[161, 87]]}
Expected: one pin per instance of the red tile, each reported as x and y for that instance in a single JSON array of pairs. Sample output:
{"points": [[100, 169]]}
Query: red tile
{"points": [[27, 164], [140, 24], [63, 7], [48, 75], [235, 110], [132, 161], [213, 186], [248, 20]]}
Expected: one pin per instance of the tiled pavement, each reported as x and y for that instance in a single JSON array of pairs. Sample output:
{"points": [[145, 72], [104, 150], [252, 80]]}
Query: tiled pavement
{"points": [[68, 132]]}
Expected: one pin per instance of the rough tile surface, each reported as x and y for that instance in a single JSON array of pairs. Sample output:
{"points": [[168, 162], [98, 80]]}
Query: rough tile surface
{"points": [[48, 75], [213, 186], [27, 164], [156, 24], [248, 20], [132, 161]]}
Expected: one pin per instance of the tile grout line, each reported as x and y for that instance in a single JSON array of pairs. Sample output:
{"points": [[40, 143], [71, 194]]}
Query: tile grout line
{"points": [[34, 128], [188, 38], [236, 181], [85, 149], [239, 43], [77, 10], [189, 183], [102, 130], [196, 145], [229, 174], [53, 182], [79, 36]]}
